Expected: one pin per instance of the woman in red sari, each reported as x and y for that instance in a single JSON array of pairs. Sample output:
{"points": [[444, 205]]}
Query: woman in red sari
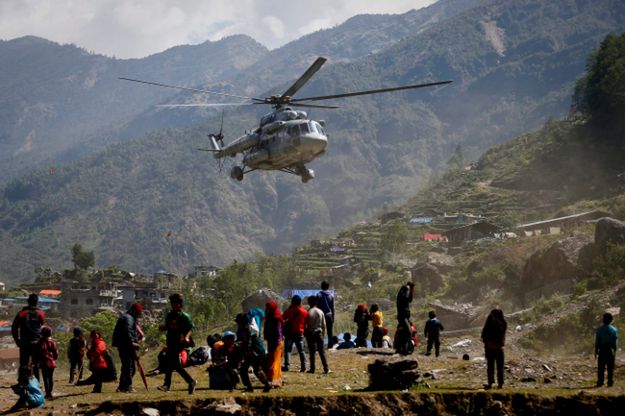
{"points": [[274, 338]]}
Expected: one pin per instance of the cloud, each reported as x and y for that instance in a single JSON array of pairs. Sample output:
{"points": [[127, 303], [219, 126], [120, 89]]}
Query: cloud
{"points": [[275, 25], [136, 28]]}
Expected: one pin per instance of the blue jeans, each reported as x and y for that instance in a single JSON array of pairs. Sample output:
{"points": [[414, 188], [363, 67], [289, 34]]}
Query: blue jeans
{"points": [[288, 347]]}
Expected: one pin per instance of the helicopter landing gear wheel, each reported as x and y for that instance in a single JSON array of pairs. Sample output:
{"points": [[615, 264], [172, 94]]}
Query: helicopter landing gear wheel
{"points": [[236, 173], [307, 174]]}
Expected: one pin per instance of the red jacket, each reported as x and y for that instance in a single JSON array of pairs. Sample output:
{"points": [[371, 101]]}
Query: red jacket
{"points": [[96, 355], [48, 353], [295, 316]]}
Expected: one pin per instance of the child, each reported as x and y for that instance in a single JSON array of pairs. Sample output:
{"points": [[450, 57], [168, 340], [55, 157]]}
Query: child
{"points": [[377, 320], [387, 342], [75, 354], [347, 342], [28, 390], [432, 332], [98, 363], [48, 353]]}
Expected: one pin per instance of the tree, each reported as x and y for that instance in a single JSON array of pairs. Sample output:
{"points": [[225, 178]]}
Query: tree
{"points": [[600, 94], [394, 237], [82, 259]]}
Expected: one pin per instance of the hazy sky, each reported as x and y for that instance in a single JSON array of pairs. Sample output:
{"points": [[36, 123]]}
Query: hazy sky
{"points": [[136, 28]]}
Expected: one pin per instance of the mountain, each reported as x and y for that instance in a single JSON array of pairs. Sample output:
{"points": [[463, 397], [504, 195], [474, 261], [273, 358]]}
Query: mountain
{"points": [[156, 203], [59, 101]]}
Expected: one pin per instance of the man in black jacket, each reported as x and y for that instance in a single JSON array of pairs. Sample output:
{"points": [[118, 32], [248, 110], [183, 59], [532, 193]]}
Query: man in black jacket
{"points": [[126, 338], [26, 331]]}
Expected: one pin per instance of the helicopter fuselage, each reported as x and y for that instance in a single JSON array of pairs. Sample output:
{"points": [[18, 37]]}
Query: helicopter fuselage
{"points": [[286, 141]]}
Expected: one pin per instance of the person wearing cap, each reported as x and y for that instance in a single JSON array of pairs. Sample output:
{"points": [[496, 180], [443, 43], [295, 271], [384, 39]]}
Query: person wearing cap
{"points": [[179, 327], [26, 331], [126, 338]]}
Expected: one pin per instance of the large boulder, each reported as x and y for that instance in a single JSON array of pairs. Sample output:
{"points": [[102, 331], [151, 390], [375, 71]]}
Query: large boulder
{"points": [[609, 230], [427, 276], [443, 262], [559, 262], [395, 373], [259, 299]]}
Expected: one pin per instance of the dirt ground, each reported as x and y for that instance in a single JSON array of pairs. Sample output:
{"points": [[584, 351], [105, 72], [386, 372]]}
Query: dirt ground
{"points": [[448, 383]]}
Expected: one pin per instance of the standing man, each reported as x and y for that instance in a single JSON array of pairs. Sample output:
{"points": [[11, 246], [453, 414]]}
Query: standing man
{"points": [[126, 339], [179, 326], [326, 304], [294, 323], [432, 332], [26, 331], [606, 343], [315, 328], [404, 298]]}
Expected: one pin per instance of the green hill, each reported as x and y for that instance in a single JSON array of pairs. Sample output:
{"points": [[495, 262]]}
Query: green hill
{"points": [[157, 203]]}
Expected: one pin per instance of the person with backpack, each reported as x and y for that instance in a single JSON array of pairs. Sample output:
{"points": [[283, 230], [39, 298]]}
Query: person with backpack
{"points": [[126, 339], [26, 331], [294, 323], [48, 353], [252, 350], [179, 327], [432, 332], [362, 318], [75, 354]]}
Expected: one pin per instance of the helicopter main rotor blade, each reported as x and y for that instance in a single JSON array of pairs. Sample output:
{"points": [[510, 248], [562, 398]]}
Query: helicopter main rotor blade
{"points": [[312, 105], [354, 94], [204, 105], [305, 77], [178, 87]]}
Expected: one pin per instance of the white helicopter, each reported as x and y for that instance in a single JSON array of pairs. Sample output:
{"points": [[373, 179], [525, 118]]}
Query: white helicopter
{"points": [[286, 140]]}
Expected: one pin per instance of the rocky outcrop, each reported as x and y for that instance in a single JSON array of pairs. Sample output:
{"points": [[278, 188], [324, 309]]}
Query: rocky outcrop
{"points": [[427, 276], [559, 262], [395, 373], [609, 231]]}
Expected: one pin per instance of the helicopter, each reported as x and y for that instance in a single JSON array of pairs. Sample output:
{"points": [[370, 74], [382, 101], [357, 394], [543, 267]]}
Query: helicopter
{"points": [[286, 139]]}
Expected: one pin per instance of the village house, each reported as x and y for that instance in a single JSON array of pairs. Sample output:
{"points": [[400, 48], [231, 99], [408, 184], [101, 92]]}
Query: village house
{"points": [[80, 299], [469, 232], [555, 225], [151, 294], [206, 271]]}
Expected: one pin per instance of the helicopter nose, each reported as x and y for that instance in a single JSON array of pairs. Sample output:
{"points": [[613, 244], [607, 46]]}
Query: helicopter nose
{"points": [[316, 143]]}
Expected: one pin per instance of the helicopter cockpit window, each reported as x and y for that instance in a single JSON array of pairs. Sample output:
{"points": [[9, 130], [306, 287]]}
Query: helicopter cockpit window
{"points": [[304, 128], [293, 130], [317, 127]]}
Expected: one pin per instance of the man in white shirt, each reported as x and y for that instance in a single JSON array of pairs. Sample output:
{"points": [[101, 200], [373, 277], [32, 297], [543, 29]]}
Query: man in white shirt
{"points": [[315, 330]]}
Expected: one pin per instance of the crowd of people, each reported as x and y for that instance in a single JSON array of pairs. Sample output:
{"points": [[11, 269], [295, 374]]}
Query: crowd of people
{"points": [[263, 343]]}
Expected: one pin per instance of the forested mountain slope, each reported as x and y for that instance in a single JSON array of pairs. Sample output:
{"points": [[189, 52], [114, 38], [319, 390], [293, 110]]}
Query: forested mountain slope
{"points": [[157, 203]]}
